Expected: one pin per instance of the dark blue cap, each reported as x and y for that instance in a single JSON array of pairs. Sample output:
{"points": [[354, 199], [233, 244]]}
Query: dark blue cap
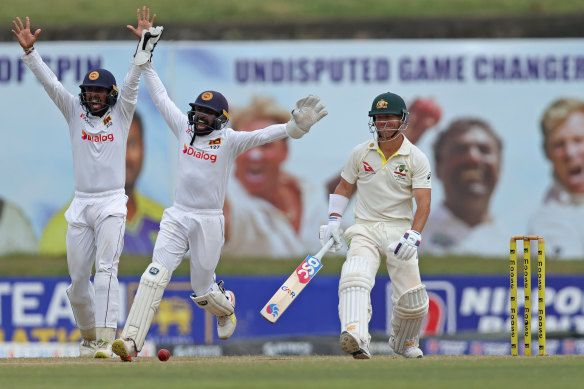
{"points": [[100, 78], [212, 100]]}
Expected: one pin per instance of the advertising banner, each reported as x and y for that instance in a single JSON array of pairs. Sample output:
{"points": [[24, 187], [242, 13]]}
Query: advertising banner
{"points": [[505, 85], [37, 309]]}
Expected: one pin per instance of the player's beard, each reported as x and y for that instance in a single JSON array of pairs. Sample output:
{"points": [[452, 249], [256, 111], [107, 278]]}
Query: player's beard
{"points": [[391, 138]]}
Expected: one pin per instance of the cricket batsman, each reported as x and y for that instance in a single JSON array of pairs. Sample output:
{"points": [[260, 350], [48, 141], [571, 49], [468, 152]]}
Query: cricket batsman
{"points": [[387, 173]]}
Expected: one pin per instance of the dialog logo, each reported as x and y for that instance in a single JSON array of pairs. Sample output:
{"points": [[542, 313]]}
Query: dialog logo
{"points": [[97, 138], [199, 154]]}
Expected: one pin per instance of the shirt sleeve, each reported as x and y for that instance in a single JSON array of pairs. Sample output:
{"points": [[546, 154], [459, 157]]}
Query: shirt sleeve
{"points": [[422, 174], [245, 140], [64, 100], [350, 172], [174, 117], [129, 94]]}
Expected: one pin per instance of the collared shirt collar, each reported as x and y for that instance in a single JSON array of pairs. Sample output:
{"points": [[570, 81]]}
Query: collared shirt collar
{"points": [[404, 149]]}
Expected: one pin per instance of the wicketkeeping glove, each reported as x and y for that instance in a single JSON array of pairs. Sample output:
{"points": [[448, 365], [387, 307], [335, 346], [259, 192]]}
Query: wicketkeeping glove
{"points": [[147, 44], [332, 230], [306, 113], [407, 246]]}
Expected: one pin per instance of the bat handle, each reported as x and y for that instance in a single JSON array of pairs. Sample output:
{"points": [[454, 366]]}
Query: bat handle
{"points": [[325, 248]]}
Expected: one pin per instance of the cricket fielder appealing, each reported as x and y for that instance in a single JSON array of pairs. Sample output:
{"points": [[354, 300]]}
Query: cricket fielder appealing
{"points": [[99, 122], [387, 172], [207, 150]]}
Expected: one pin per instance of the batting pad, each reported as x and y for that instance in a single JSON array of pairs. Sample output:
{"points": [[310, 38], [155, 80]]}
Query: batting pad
{"points": [[146, 303], [354, 300], [215, 302], [407, 318]]}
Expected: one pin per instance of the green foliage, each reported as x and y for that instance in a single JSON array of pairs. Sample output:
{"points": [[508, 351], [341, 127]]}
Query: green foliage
{"points": [[114, 12]]}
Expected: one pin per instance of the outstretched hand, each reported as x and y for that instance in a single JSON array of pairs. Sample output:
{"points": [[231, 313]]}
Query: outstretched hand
{"points": [[144, 22], [306, 113], [23, 34]]}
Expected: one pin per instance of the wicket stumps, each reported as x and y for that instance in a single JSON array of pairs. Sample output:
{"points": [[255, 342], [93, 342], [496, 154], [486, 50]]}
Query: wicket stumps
{"points": [[527, 289]]}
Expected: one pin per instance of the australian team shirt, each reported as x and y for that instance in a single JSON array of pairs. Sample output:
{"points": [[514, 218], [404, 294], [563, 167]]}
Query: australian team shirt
{"points": [[204, 167], [98, 143], [385, 186]]}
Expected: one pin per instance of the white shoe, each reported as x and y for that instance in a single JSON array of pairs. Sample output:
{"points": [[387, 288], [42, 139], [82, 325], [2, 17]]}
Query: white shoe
{"points": [[103, 349], [226, 324], [351, 345], [409, 352], [87, 348], [125, 349]]}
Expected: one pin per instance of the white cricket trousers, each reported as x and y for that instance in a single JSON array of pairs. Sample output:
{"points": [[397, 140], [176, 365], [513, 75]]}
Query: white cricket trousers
{"points": [[95, 236], [202, 231], [370, 241]]}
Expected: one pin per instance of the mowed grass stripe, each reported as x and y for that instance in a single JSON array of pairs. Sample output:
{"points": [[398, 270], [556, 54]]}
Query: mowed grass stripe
{"points": [[30, 265], [296, 372]]}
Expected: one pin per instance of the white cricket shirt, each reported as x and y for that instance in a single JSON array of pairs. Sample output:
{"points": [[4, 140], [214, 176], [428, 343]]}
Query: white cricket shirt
{"points": [[385, 187], [204, 167], [98, 143]]}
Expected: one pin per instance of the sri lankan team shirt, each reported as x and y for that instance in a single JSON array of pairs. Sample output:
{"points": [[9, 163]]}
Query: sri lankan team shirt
{"points": [[98, 143], [204, 167]]}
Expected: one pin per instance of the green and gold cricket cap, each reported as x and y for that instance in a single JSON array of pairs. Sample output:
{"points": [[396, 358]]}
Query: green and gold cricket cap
{"points": [[388, 103]]}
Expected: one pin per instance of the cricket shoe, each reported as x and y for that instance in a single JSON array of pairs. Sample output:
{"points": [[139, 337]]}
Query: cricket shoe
{"points": [[103, 349], [87, 348], [409, 352], [226, 324], [352, 345], [125, 349]]}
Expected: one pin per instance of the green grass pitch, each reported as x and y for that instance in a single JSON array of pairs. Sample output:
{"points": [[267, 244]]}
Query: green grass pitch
{"points": [[296, 372]]}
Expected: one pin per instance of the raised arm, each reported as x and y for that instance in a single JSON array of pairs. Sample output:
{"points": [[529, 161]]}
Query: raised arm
{"points": [[25, 37], [306, 113], [56, 91], [174, 117], [129, 93], [148, 35], [144, 22]]}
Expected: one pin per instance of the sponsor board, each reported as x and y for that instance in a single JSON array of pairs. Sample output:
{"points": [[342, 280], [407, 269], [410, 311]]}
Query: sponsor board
{"points": [[36, 310]]}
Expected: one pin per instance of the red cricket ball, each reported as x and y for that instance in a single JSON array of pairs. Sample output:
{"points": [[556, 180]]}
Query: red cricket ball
{"points": [[163, 354]]}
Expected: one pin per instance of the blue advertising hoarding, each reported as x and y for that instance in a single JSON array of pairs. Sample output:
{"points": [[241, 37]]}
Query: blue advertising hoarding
{"points": [[37, 309]]}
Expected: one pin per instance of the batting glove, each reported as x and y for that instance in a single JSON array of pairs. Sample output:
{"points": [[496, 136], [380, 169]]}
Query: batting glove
{"points": [[332, 230], [306, 113], [407, 247], [147, 44]]}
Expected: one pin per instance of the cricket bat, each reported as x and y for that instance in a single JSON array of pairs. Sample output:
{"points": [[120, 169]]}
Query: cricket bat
{"points": [[297, 281]]}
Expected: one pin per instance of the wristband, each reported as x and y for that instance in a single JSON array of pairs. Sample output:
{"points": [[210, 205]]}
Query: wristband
{"points": [[29, 50], [337, 204]]}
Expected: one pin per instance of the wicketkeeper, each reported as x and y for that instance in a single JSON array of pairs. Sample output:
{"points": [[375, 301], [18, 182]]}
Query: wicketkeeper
{"points": [[195, 222], [386, 172]]}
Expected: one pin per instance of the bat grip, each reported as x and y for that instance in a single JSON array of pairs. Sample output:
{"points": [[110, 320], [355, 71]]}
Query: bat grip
{"points": [[325, 248]]}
